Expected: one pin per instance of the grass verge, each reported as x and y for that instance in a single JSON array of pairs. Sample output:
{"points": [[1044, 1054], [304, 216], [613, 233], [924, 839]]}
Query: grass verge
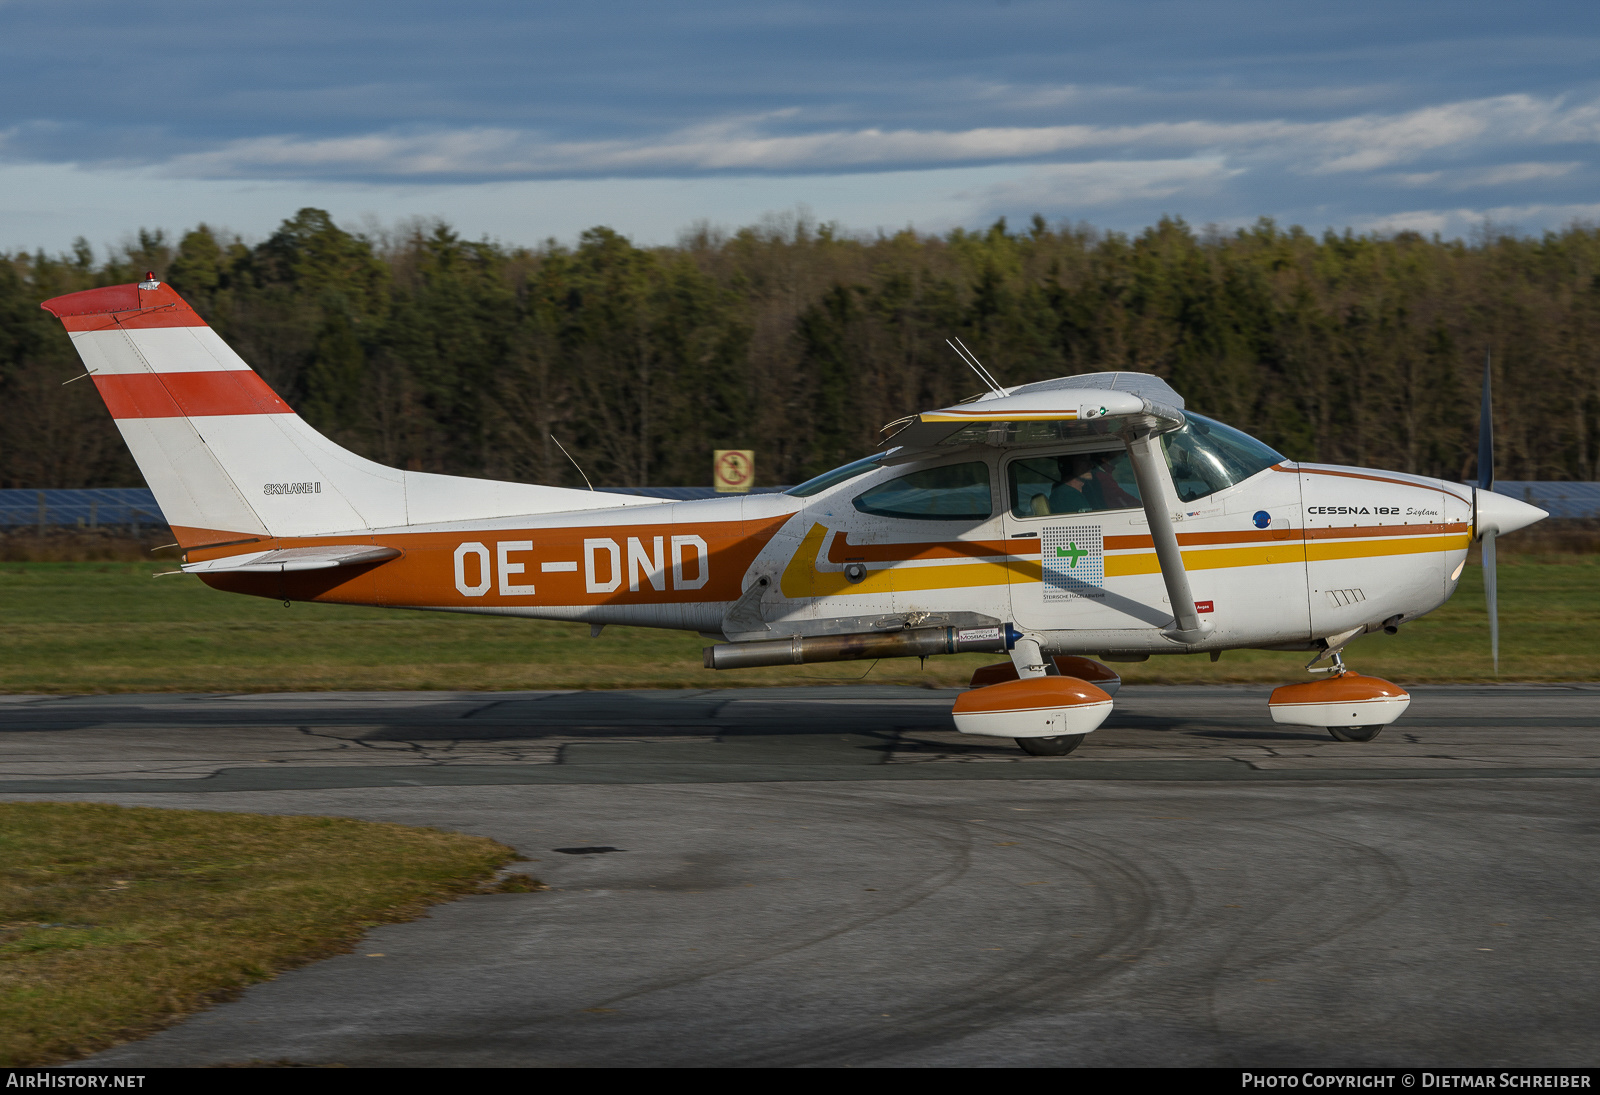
{"points": [[109, 627], [116, 921]]}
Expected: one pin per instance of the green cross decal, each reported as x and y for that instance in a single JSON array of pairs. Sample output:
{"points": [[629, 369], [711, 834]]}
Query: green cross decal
{"points": [[1073, 552]]}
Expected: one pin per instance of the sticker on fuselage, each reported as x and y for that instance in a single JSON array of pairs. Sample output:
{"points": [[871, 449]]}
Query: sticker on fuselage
{"points": [[1073, 561]]}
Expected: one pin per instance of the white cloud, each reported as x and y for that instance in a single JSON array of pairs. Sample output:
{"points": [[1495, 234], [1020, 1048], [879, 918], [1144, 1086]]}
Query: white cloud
{"points": [[1472, 178], [1352, 144], [1104, 183], [1462, 222], [47, 205], [1425, 221], [729, 146], [1521, 172]]}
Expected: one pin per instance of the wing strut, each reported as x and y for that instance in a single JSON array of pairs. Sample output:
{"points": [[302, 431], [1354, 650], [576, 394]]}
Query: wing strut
{"points": [[1151, 475]]}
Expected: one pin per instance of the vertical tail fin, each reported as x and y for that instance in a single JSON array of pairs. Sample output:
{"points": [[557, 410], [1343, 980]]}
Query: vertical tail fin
{"points": [[228, 459]]}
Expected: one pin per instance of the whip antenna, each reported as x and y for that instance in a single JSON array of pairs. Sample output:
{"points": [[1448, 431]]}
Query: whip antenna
{"points": [[975, 365], [568, 455]]}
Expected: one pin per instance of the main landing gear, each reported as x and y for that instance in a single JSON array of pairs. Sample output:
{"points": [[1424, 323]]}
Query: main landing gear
{"points": [[1349, 706], [1058, 746], [1049, 713], [1355, 733]]}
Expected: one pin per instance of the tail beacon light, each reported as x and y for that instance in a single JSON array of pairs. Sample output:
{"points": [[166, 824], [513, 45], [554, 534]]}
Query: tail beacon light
{"points": [[1352, 707], [1038, 707]]}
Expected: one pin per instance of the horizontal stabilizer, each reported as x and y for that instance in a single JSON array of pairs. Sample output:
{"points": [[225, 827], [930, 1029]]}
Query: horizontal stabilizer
{"points": [[287, 559]]}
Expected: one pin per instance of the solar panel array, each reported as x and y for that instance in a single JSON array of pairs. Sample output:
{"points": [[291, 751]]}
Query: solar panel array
{"points": [[121, 506], [126, 506], [1559, 499]]}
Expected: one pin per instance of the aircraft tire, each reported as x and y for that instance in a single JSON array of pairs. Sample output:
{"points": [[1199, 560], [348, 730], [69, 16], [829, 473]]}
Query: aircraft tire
{"points": [[1058, 746], [1354, 733]]}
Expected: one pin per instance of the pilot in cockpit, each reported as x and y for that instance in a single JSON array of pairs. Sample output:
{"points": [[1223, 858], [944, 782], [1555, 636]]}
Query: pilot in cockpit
{"points": [[1084, 482]]}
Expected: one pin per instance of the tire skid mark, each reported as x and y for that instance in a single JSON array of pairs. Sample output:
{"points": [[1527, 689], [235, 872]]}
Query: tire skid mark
{"points": [[1353, 867], [1128, 903], [955, 868]]}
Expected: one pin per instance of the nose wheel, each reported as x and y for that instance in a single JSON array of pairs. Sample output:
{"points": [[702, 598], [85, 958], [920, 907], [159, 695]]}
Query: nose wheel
{"points": [[1058, 746], [1349, 706]]}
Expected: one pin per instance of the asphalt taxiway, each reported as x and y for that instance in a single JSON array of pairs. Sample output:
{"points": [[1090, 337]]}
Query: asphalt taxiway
{"points": [[834, 876]]}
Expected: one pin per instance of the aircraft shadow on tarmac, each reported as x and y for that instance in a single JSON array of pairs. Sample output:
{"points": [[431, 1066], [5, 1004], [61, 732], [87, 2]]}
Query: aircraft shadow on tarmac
{"points": [[230, 742]]}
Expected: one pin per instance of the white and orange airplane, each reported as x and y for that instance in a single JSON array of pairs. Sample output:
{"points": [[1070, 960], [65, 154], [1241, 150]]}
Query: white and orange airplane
{"points": [[1088, 515]]}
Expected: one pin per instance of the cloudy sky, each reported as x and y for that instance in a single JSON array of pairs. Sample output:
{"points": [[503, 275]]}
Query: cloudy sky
{"points": [[527, 120]]}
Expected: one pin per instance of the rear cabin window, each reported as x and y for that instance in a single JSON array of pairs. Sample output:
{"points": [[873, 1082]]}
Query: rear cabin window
{"points": [[1079, 482], [954, 492]]}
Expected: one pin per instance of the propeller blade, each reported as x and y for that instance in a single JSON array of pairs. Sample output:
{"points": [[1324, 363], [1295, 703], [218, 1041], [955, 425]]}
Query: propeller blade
{"points": [[1486, 433], [1486, 483], [1491, 595]]}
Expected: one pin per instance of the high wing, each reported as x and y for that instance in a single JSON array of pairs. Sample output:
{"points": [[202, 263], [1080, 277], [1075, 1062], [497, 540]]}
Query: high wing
{"points": [[1070, 408], [1134, 408]]}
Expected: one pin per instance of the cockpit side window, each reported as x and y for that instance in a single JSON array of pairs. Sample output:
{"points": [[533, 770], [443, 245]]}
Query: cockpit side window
{"points": [[1205, 456], [953, 492], [1079, 482]]}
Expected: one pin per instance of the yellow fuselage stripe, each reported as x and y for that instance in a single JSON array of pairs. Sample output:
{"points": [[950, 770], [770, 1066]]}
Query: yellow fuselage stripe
{"points": [[831, 583], [1288, 551], [1068, 416]]}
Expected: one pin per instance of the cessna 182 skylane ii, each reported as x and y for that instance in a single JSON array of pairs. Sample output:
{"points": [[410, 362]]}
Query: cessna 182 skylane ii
{"points": [[1088, 515]]}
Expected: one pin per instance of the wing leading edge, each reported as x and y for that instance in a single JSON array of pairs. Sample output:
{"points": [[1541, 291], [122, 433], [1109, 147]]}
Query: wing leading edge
{"points": [[1073, 408]]}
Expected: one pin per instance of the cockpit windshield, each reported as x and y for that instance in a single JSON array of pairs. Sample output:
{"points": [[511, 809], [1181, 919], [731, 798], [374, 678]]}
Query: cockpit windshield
{"points": [[1205, 456]]}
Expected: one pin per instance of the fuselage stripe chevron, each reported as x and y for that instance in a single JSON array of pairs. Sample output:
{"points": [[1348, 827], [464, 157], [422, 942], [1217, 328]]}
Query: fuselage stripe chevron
{"points": [[1000, 562]]}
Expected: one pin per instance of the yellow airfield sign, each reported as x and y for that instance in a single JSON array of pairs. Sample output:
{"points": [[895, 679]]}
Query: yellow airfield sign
{"points": [[733, 470]]}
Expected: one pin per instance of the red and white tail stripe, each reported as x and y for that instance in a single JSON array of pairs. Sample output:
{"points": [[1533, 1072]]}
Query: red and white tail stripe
{"points": [[224, 454], [179, 368]]}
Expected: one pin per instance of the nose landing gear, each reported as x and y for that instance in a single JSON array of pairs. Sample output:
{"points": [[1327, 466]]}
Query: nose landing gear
{"points": [[1350, 706], [1355, 733]]}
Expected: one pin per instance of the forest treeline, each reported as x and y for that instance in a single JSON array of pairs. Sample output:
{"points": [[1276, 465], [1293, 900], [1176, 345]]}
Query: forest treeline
{"points": [[424, 350]]}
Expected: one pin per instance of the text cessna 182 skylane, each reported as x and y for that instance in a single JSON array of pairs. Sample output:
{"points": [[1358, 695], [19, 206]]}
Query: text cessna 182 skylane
{"points": [[1089, 515]]}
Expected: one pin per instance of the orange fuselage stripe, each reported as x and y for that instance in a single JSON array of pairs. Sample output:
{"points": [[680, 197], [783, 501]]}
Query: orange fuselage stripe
{"points": [[1348, 532], [425, 576], [1368, 475], [842, 551]]}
